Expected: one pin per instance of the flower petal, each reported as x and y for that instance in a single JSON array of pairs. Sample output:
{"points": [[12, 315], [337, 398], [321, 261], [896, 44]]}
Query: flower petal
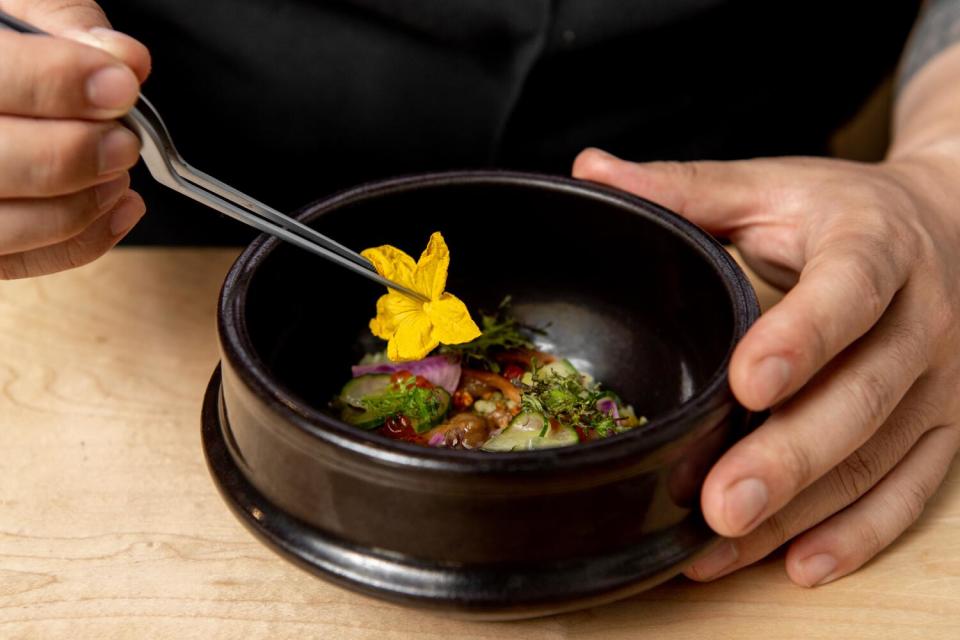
{"points": [[392, 264], [430, 276], [413, 339], [451, 320], [392, 308]]}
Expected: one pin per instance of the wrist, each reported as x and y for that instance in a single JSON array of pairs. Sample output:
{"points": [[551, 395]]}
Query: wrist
{"points": [[926, 119], [930, 177]]}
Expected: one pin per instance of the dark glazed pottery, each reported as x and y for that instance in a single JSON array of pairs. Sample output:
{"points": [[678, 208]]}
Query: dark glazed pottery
{"points": [[640, 298]]}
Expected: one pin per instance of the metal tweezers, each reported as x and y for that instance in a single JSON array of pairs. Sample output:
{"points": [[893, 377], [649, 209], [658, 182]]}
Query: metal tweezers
{"points": [[169, 169]]}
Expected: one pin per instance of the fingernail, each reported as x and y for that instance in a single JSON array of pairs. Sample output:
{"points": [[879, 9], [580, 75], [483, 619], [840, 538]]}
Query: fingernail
{"points": [[715, 562], [743, 503], [119, 149], [101, 33], [771, 377], [108, 193], [113, 88], [816, 569], [95, 36], [123, 219]]}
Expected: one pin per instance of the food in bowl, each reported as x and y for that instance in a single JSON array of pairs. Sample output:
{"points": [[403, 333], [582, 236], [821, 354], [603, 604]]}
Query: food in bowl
{"points": [[495, 393], [642, 300]]}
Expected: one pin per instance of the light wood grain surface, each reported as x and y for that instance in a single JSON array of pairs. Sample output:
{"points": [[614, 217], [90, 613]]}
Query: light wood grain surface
{"points": [[111, 528]]}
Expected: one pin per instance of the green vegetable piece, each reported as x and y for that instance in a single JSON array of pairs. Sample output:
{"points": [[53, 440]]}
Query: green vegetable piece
{"points": [[557, 399], [529, 431], [436, 410], [357, 390], [363, 419], [499, 332], [373, 398], [559, 368]]}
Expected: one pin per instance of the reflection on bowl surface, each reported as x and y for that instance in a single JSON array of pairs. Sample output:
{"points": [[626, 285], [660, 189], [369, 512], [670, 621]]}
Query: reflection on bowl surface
{"points": [[632, 294]]}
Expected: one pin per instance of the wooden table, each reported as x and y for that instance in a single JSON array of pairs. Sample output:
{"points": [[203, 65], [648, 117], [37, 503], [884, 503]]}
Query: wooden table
{"points": [[111, 528]]}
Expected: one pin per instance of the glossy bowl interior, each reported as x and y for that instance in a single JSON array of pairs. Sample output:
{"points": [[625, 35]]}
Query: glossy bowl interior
{"points": [[631, 293], [613, 289]]}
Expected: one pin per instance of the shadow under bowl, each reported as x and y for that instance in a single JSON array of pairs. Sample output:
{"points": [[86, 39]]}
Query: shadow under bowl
{"points": [[631, 293]]}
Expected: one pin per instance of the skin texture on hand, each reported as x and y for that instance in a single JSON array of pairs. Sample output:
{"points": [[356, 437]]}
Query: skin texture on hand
{"points": [[64, 187], [860, 362]]}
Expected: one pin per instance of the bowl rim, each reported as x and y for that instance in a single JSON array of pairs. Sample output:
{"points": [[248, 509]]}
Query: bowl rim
{"points": [[237, 346]]}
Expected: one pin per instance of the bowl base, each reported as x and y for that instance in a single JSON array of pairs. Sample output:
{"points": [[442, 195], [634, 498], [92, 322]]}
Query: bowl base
{"points": [[462, 591]]}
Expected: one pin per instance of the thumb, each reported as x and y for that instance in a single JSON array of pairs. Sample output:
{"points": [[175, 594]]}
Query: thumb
{"points": [[84, 21], [718, 196]]}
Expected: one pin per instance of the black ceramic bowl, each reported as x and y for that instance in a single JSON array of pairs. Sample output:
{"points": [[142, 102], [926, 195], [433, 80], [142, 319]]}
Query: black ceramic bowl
{"points": [[640, 298]]}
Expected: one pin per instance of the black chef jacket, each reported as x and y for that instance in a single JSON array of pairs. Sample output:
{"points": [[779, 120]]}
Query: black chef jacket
{"points": [[290, 100]]}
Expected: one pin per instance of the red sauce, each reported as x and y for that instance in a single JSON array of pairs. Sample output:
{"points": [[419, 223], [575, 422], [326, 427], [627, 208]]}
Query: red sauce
{"points": [[399, 428], [513, 372]]}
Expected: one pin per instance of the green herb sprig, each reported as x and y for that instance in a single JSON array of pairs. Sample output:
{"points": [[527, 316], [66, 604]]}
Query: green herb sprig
{"points": [[499, 332], [407, 398], [568, 398]]}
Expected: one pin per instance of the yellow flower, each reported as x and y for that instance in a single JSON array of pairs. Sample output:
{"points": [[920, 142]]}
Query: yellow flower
{"points": [[412, 328]]}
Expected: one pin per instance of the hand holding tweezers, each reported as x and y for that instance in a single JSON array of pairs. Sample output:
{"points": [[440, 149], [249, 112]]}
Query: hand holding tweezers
{"points": [[168, 168]]}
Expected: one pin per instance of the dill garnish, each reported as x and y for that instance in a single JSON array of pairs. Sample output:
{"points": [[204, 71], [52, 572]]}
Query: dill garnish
{"points": [[407, 399]]}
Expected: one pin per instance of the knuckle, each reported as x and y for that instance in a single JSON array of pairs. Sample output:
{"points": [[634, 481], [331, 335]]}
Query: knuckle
{"points": [[912, 497], [62, 161], [907, 345], [689, 170], [870, 537], [867, 394], [869, 277], [943, 315], [801, 336], [32, 94], [818, 337], [48, 79], [858, 473], [796, 459], [906, 426], [77, 213], [777, 530], [46, 167], [685, 172], [61, 78]]}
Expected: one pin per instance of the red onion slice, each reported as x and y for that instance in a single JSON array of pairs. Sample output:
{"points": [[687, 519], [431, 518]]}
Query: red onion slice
{"points": [[609, 407], [439, 370]]}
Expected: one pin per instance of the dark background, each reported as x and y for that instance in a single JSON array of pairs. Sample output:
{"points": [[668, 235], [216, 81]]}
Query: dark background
{"points": [[290, 100]]}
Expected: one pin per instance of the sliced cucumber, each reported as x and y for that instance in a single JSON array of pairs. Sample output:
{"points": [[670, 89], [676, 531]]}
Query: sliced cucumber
{"points": [[372, 384], [357, 394], [437, 414], [560, 368], [529, 431], [361, 418]]}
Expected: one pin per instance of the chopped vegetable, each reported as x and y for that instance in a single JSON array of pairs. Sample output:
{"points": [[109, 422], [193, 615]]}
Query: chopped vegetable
{"points": [[561, 368], [531, 430], [356, 390], [495, 380], [461, 398], [502, 333], [442, 371], [368, 401], [608, 406]]}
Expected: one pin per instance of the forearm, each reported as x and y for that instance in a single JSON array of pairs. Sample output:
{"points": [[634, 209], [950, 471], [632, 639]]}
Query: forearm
{"points": [[927, 110]]}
